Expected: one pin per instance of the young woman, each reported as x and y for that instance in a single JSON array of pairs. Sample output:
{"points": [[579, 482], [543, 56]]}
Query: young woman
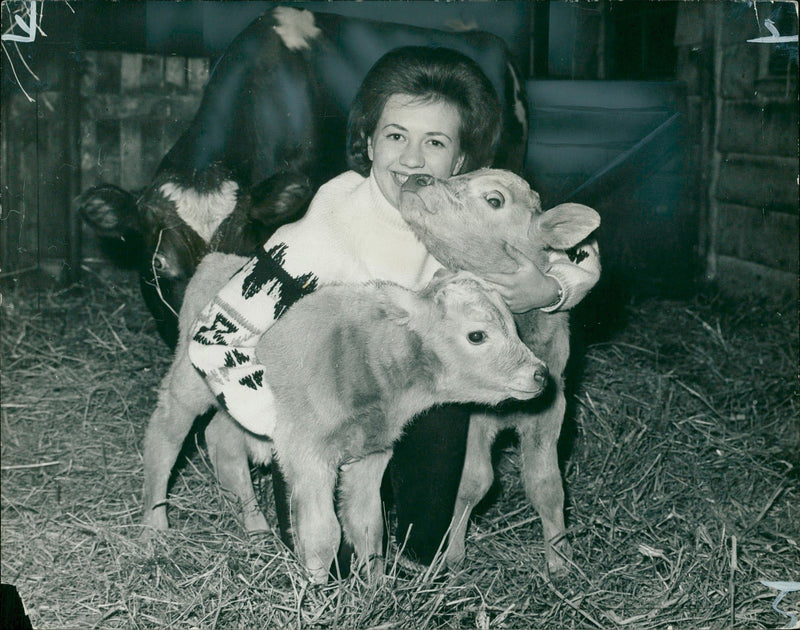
{"points": [[419, 111]]}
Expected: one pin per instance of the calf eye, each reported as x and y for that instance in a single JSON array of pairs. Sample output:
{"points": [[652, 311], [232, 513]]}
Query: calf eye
{"points": [[495, 199], [476, 337]]}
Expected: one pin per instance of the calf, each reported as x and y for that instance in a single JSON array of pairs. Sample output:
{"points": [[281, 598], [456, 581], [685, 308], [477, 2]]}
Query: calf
{"points": [[350, 366], [269, 130], [466, 222]]}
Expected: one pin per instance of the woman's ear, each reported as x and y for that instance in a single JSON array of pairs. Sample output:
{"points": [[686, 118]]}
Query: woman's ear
{"points": [[459, 164], [369, 149]]}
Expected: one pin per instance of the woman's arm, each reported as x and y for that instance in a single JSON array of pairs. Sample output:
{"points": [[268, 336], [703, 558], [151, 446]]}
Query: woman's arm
{"points": [[565, 282]]}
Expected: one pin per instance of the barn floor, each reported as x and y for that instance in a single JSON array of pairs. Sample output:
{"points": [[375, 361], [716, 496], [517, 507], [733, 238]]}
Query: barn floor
{"points": [[682, 474]]}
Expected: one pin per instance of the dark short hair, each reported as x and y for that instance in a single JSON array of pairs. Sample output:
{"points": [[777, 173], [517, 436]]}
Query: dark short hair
{"points": [[428, 73]]}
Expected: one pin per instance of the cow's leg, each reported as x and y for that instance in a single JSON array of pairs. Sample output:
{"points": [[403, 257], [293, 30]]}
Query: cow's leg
{"points": [[317, 532], [543, 484], [360, 508], [425, 473], [183, 396], [228, 454], [476, 479]]}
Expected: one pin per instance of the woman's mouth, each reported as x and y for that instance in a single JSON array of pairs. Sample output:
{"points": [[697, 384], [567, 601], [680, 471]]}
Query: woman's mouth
{"points": [[399, 178]]}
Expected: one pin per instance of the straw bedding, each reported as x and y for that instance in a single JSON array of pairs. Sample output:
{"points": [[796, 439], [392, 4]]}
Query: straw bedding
{"points": [[680, 459]]}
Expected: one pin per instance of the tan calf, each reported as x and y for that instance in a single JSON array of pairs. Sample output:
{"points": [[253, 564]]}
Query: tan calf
{"points": [[466, 222], [350, 366]]}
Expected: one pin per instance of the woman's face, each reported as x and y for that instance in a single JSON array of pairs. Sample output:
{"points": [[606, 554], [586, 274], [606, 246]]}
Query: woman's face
{"points": [[414, 137]]}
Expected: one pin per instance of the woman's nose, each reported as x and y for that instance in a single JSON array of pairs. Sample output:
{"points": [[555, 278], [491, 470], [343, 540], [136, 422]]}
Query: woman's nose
{"points": [[412, 156]]}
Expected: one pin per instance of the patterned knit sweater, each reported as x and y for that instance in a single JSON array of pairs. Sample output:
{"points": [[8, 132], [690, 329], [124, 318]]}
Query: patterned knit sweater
{"points": [[349, 234]]}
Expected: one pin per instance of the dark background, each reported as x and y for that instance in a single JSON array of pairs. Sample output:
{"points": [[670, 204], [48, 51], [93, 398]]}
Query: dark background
{"points": [[659, 114]]}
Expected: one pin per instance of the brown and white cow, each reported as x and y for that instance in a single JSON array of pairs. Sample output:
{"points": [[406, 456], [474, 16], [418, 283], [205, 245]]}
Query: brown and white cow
{"points": [[466, 223], [269, 130], [350, 366]]}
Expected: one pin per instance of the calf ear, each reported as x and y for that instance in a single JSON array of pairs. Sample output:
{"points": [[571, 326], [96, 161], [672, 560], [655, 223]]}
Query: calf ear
{"points": [[397, 303], [565, 225]]}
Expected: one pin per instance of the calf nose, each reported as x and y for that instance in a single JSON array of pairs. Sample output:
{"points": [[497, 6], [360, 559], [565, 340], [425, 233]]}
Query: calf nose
{"points": [[415, 182], [540, 375]]}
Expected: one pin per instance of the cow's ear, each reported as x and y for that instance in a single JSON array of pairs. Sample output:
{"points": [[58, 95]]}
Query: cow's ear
{"points": [[565, 225], [397, 303], [109, 210]]}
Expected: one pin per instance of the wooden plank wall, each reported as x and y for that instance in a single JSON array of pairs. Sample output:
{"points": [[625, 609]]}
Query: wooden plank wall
{"points": [[744, 125], [36, 172], [132, 108]]}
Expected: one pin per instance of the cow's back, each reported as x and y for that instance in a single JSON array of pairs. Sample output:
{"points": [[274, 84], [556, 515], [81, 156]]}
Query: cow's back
{"points": [[279, 97]]}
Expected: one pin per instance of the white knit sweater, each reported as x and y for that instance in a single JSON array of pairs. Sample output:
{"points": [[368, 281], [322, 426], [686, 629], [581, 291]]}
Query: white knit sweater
{"points": [[349, 234]]}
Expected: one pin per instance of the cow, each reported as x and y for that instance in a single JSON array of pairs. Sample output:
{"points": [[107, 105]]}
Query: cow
{"points": [[350, 365], [269, 130], [467, 222]]}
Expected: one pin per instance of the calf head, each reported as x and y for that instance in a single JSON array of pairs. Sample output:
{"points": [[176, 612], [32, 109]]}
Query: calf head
{"points": [[472, 333], [467, 221]]}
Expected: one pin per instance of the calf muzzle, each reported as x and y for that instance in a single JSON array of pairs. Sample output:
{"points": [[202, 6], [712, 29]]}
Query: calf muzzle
{"points": [[415, 182]]}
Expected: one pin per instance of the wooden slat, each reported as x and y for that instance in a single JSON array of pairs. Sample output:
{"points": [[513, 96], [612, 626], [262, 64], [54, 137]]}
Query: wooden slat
{"points": [[759, 181], [115, 107], [764, 238], [614, 95], [130, 72], [197, 71], [130, 151], [175, 72], [151, 74], [759, 128], [618, 129]]}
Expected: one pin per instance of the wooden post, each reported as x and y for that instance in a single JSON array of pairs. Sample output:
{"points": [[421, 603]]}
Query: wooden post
{"points": [[540, 42], [72, 151], [602, 36], [717, 17]]}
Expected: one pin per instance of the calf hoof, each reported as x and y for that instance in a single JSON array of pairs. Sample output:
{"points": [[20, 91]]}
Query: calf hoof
{"points": [[254, 523], [559, 560], [372, 569], [318, 577], [454, 561], [154, 519]]}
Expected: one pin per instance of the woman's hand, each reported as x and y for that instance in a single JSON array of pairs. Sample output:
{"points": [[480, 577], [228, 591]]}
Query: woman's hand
{"points": [[527, 287]]}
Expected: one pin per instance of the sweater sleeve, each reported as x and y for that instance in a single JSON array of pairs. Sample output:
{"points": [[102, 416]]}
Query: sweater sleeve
{"points": [[576, 271], [225, 334]]}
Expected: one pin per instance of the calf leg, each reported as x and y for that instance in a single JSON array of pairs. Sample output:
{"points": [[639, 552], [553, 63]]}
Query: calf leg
{"points": [[316, 528], [542, 479], [183, 396], [228, 454], [476, 479], [360, 508]]}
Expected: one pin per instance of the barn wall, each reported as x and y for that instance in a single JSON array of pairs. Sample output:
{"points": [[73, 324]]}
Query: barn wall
{"points": [[132, 108], [36, 169], [743, 104]]}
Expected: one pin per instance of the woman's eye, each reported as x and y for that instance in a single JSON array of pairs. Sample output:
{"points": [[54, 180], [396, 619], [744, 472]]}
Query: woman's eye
{"points": [[476, 337], [495, 199], [394, 136]]}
